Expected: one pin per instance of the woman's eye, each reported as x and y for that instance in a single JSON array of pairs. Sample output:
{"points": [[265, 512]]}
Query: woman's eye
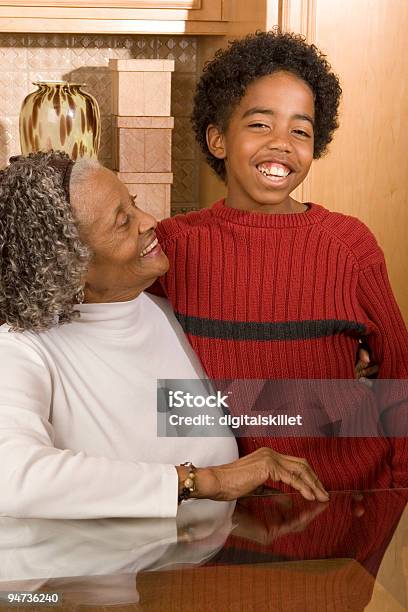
{"points": [[124, 221]]}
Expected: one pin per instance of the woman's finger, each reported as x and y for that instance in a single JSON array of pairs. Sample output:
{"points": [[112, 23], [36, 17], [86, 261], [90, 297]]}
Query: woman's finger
{"points": [[302, 467], [293, 479], [314, 483]]}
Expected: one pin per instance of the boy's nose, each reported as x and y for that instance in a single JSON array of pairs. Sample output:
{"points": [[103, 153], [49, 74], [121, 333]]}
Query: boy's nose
{"points": [[280, 144], [279, 140]]}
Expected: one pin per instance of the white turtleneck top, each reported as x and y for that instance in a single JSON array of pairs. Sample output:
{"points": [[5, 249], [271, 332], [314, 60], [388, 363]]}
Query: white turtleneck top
{"points": [[78, 418]]}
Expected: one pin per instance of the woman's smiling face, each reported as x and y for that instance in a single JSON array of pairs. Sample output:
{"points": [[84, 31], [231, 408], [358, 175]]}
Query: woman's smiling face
{"points": [[126, 257], [268, 144]]}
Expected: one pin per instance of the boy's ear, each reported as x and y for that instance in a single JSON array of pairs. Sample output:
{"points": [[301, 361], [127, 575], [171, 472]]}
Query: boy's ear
{"points": [[216, 142]]}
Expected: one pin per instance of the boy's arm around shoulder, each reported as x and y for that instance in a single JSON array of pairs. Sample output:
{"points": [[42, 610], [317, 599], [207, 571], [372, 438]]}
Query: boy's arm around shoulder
{"points": [[389, 344], [387, 337], [177, 227], [388, 340], [165, 231], [173, 234], [355, 236]]}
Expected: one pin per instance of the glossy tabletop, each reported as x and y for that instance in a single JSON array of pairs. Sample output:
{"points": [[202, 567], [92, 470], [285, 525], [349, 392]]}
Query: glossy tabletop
{"points": [[266, 553]]}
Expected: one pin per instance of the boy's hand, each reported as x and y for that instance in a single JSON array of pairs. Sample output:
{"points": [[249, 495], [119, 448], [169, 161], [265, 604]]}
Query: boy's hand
{"points": [[364, 367]]}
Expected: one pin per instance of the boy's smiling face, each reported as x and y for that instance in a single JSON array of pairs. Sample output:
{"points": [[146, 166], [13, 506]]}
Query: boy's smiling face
{"points": [[268, 144]]}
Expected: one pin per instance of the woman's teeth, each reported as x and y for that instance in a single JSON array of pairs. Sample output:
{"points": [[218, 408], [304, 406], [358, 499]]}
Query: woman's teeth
{"points": [[149, 247], [273, 171]]}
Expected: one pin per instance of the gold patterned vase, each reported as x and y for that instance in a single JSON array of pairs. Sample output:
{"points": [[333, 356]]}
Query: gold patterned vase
{"points": [[60, 116]]}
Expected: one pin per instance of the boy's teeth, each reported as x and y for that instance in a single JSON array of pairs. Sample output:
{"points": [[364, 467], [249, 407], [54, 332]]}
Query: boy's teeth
{"points": [[273, 170], [149, 248]]}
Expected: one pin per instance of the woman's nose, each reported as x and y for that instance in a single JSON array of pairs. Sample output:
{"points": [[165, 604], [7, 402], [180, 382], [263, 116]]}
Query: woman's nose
{"points": [[146, 221]]}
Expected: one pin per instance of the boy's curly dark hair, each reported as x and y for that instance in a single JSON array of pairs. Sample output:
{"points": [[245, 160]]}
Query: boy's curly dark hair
{"points": [[226, 78]]}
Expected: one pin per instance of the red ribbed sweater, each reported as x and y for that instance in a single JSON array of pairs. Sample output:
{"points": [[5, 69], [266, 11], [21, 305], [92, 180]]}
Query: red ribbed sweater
{"points": [[287, 296]]}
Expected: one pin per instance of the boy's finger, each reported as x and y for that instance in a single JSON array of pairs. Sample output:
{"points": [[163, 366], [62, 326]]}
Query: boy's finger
{"points": [[365, 371], [370, 370], [364, 357]]}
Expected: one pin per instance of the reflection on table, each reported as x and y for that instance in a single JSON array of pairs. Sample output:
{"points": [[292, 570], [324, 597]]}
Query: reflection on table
{"points": [[270, 552]]}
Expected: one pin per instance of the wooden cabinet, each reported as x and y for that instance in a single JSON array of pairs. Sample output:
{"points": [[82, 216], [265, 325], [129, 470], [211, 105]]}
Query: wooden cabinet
{"points": [[166, 4], [114, 16]]}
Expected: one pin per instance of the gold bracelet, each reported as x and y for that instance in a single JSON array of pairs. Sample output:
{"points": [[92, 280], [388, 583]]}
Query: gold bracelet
{"points": [[189, 485]]}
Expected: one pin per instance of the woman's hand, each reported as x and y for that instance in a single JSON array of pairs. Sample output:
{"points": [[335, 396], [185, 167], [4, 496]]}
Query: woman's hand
{"points": [[233, 480], [279, 522]]}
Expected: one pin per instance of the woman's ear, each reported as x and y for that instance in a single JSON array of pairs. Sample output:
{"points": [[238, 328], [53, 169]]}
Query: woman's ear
{"points": [[216, 142]]}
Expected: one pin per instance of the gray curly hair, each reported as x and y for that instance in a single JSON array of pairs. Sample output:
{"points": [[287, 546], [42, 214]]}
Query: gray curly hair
{"points": [[42, 258]]}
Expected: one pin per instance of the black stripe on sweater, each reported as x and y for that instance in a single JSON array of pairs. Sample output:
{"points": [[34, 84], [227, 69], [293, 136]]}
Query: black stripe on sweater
{"points": [[288, 330]]}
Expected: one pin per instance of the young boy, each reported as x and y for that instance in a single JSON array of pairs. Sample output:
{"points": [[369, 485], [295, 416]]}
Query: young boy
{"points": [[268, 287]]}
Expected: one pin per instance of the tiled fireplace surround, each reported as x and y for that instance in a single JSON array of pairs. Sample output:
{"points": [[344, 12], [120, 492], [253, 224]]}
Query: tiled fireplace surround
{"points": [[25, 58]]}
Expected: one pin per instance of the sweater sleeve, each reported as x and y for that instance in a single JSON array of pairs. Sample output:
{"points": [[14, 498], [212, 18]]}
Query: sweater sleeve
{"points": [[388, 339], [38, 480]]}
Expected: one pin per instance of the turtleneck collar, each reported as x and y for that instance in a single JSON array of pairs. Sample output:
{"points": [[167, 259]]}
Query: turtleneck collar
{"points": [[314, 214], [113, 316]]}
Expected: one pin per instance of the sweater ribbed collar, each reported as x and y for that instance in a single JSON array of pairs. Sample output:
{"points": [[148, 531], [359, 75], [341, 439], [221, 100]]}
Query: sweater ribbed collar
{"points": [[314, 214], [112, 316]]}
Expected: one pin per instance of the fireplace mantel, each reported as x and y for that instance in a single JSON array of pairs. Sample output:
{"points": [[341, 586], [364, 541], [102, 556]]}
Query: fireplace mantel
{"points": [[196, 17]]}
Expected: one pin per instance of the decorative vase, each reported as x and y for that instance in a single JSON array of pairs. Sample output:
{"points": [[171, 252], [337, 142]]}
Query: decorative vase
{"points": [[60, 116]]}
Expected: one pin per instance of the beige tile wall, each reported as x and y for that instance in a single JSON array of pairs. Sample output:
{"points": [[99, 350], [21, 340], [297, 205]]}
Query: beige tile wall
{"points": [[25, 58]]}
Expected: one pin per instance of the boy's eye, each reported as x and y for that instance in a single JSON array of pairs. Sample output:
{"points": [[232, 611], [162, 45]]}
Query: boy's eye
{"points": [[302, 133], [258, 125]]}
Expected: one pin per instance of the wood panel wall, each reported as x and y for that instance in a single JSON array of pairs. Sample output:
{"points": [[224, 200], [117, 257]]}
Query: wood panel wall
{"points": [[365, 173]]}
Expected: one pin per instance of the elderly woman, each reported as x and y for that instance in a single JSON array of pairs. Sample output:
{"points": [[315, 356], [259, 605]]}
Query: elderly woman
{"points": [[80, 354]]}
